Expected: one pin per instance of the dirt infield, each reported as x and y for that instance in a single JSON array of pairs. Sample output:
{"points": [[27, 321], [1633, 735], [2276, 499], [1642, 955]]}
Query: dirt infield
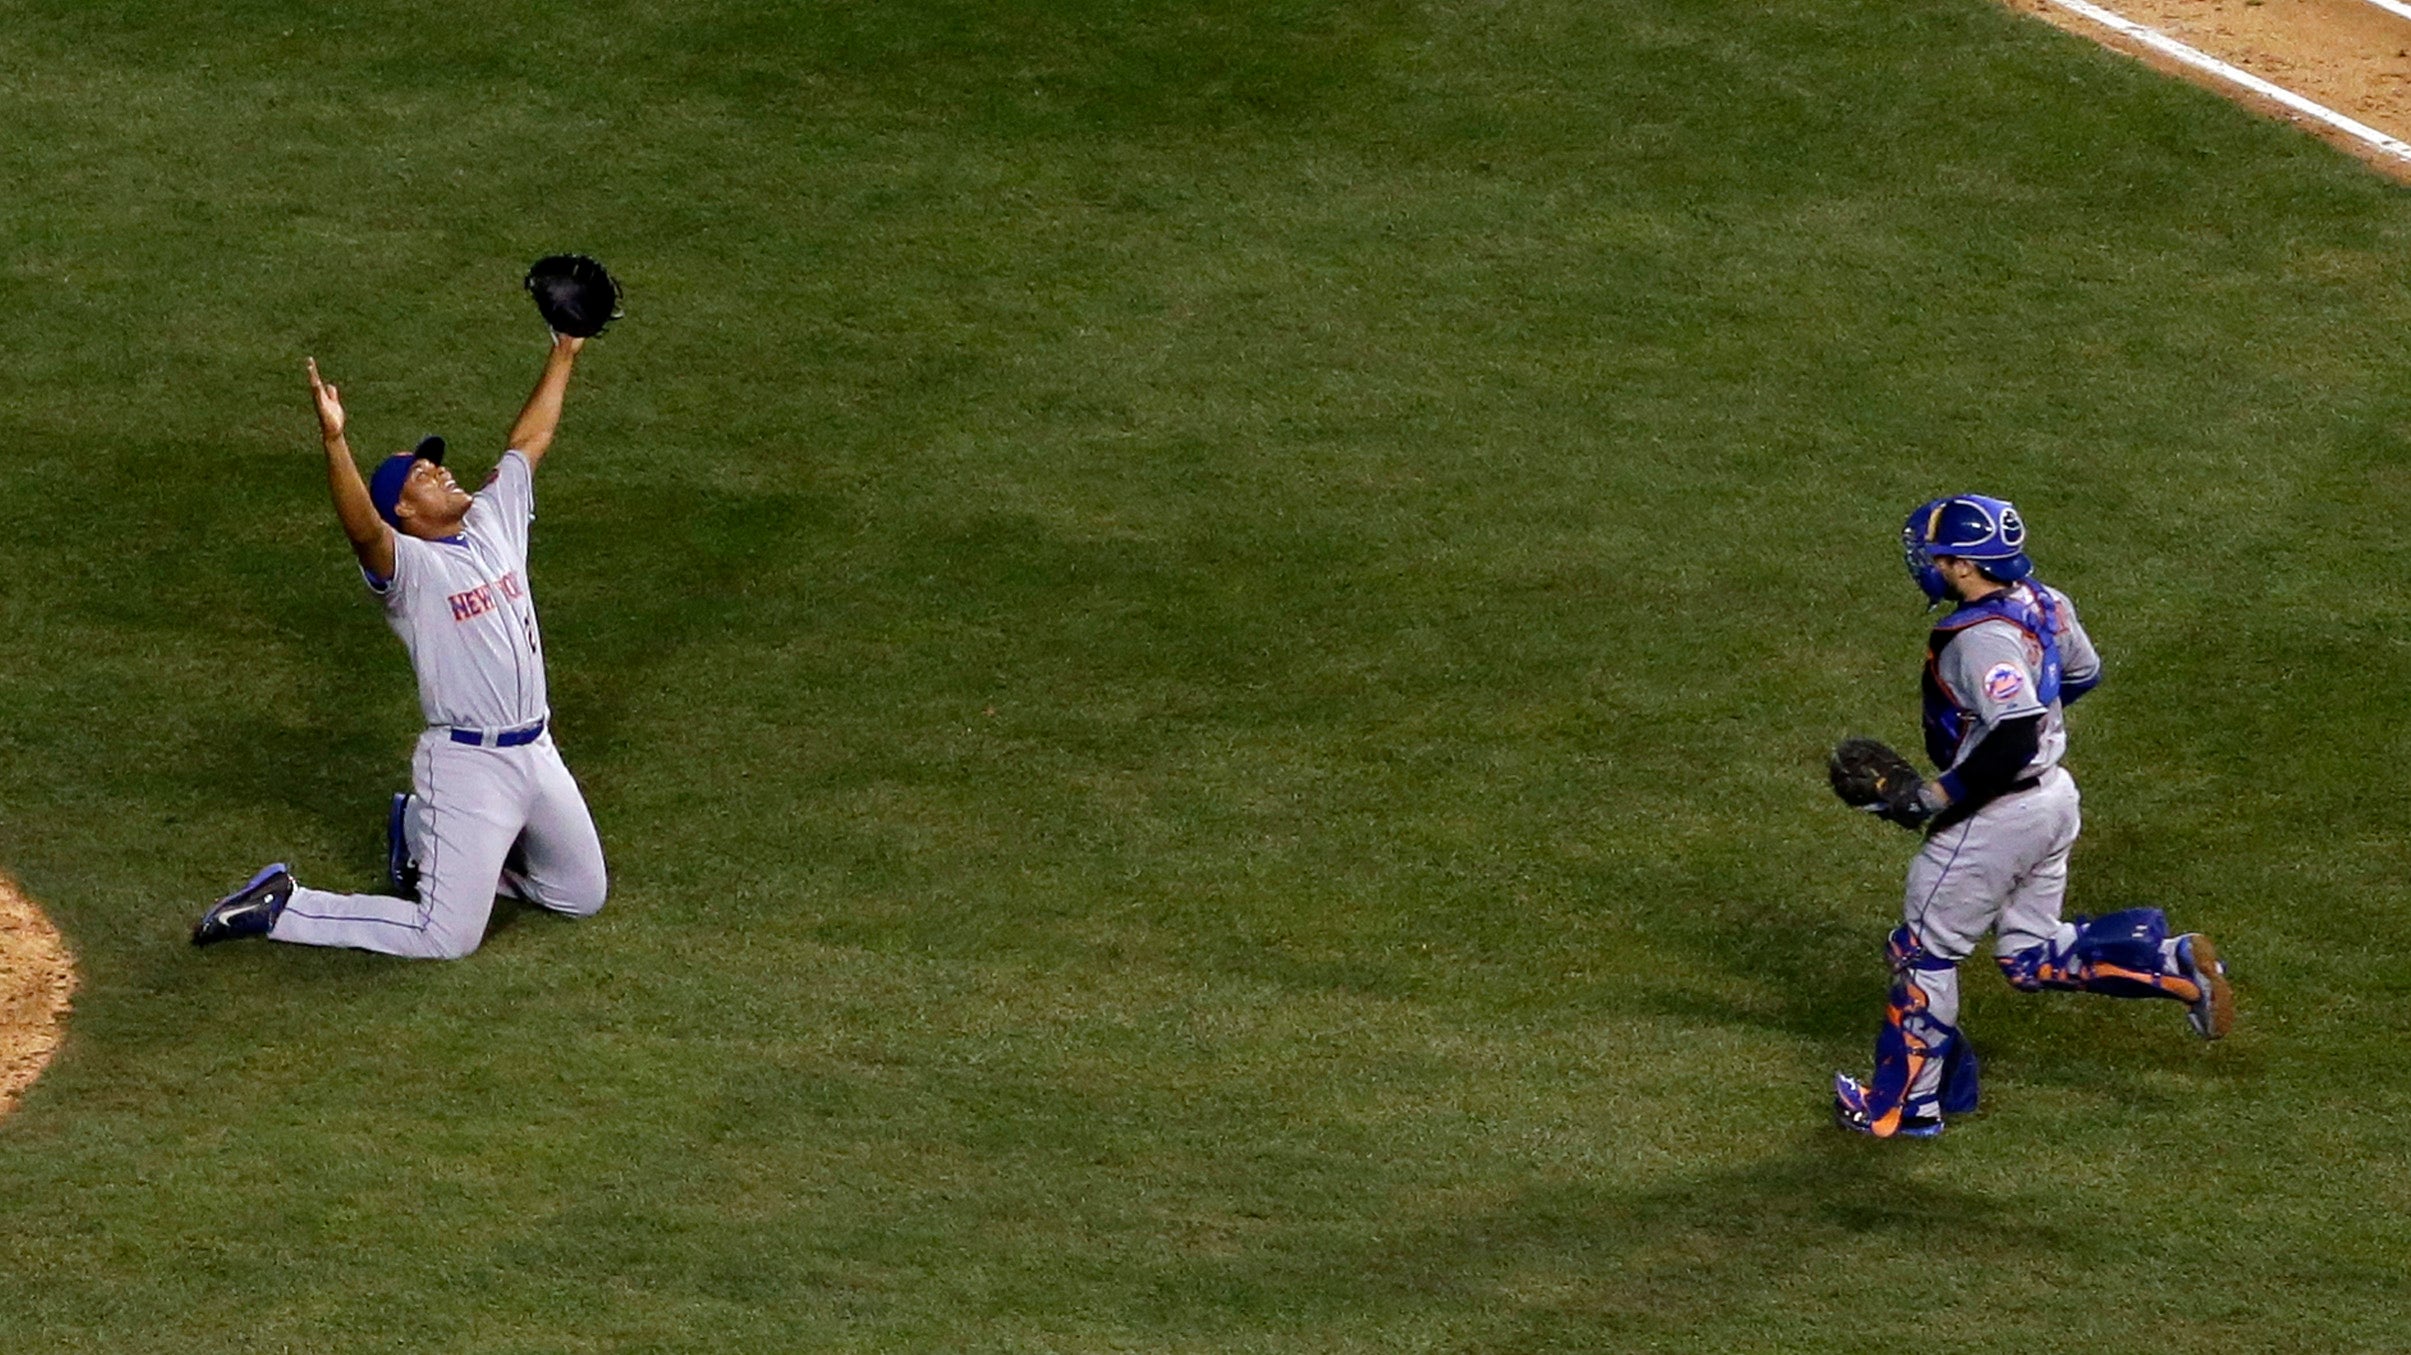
{"points": [[2350, 55], [37, 977]]}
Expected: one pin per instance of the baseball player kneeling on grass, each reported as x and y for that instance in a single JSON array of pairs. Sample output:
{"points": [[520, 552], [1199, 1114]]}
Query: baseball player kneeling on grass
{"points": [[494, 808], [1999, 823]]}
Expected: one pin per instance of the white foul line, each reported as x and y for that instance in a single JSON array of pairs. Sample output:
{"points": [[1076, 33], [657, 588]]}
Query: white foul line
{"points": [[2393, 7], [2203, 61]]}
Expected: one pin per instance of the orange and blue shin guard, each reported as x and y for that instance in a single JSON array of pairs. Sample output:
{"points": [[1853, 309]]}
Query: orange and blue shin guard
{"points": [[2121, 954], [1924, 1068]]}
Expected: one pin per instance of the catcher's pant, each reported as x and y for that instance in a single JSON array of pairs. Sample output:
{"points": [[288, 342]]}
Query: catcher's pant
{"points": [[2005, 868], [472, 804]]}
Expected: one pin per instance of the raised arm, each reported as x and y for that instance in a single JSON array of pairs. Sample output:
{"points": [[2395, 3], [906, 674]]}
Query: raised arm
{"points": [[532, 434], [371, 539]]}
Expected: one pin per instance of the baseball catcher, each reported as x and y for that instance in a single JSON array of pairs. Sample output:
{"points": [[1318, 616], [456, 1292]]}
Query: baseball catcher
{"points": [[2000, 820]]}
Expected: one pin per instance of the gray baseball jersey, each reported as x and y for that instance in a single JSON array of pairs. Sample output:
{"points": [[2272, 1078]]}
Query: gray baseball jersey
{"points": [[464, 610], [1993, 670]]}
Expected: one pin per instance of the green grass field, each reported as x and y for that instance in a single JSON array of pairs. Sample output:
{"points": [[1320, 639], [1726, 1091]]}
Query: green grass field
{"points": [[1201, 635]]}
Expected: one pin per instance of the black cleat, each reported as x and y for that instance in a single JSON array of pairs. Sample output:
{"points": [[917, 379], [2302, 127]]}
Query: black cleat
{"points": [[401, 875], [249, 911]]}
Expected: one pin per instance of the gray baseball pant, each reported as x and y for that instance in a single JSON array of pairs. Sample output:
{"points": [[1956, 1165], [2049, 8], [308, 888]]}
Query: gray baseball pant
{"points": [[471, 805]]}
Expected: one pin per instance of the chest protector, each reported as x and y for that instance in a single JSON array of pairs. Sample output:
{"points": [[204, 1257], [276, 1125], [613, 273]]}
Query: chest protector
{"points": [[1948, 719]]}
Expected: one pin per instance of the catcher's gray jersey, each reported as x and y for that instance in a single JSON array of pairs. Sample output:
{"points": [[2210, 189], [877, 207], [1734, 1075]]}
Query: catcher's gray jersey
{"points": [[1993, 670]]}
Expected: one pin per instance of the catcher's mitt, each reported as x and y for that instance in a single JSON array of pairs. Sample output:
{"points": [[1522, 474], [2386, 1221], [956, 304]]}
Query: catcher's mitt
{"points": [[1869, 775], [575, 295]]}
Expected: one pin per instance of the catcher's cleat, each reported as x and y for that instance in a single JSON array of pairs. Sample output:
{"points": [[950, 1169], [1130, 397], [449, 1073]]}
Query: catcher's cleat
{"points": [[401, 874], [1850, 1112], [249, 911], [2212, 1014]]}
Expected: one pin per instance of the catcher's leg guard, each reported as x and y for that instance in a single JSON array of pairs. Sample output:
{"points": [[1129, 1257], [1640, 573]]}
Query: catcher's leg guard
{"points": [[1959, 1072], [2122, 954], [1923, 1067]]}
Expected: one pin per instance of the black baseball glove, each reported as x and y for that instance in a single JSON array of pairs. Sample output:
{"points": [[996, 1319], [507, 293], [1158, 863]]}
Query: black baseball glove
{"points": [[575, 295], [1869, 775]]}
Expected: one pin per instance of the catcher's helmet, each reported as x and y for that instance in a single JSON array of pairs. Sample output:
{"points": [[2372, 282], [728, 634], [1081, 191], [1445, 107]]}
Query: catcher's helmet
{"points": [[1971, 527]]}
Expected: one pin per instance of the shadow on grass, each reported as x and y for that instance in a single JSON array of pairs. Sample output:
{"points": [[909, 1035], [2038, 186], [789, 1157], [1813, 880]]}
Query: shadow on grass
{"points": [[708, 587], [1600, 1261], [1786, 969]]}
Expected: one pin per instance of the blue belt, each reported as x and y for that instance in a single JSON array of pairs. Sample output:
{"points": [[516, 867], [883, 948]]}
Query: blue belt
{"points": [[506, 738]]}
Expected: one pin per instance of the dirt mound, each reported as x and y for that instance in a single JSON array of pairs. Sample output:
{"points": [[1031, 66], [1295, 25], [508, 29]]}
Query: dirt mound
{"points": [[37, 976]]}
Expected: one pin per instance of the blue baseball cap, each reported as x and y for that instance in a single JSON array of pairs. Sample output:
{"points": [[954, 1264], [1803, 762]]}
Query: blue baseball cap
{"points": [[385, 486]]}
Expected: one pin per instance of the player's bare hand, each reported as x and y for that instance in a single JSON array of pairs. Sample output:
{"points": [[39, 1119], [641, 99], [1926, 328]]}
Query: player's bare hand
{"points": [[330, 403], [568, 344]]}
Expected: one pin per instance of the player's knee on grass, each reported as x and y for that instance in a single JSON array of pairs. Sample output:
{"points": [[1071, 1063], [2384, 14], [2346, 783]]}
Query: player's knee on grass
{"points": [[456, 919], [585, 903], [455, 942], [571, 894]]}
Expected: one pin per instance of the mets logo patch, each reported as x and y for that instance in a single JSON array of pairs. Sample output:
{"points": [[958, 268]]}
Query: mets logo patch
{"points": [[2003, 681]]}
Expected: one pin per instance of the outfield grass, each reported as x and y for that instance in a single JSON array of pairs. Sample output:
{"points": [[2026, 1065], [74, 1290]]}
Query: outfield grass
{"points": [[1200, 635]]}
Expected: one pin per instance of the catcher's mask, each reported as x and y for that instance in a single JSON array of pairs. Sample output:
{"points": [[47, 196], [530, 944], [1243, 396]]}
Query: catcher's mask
{"points": [[1984, 530], [385, 486]]}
